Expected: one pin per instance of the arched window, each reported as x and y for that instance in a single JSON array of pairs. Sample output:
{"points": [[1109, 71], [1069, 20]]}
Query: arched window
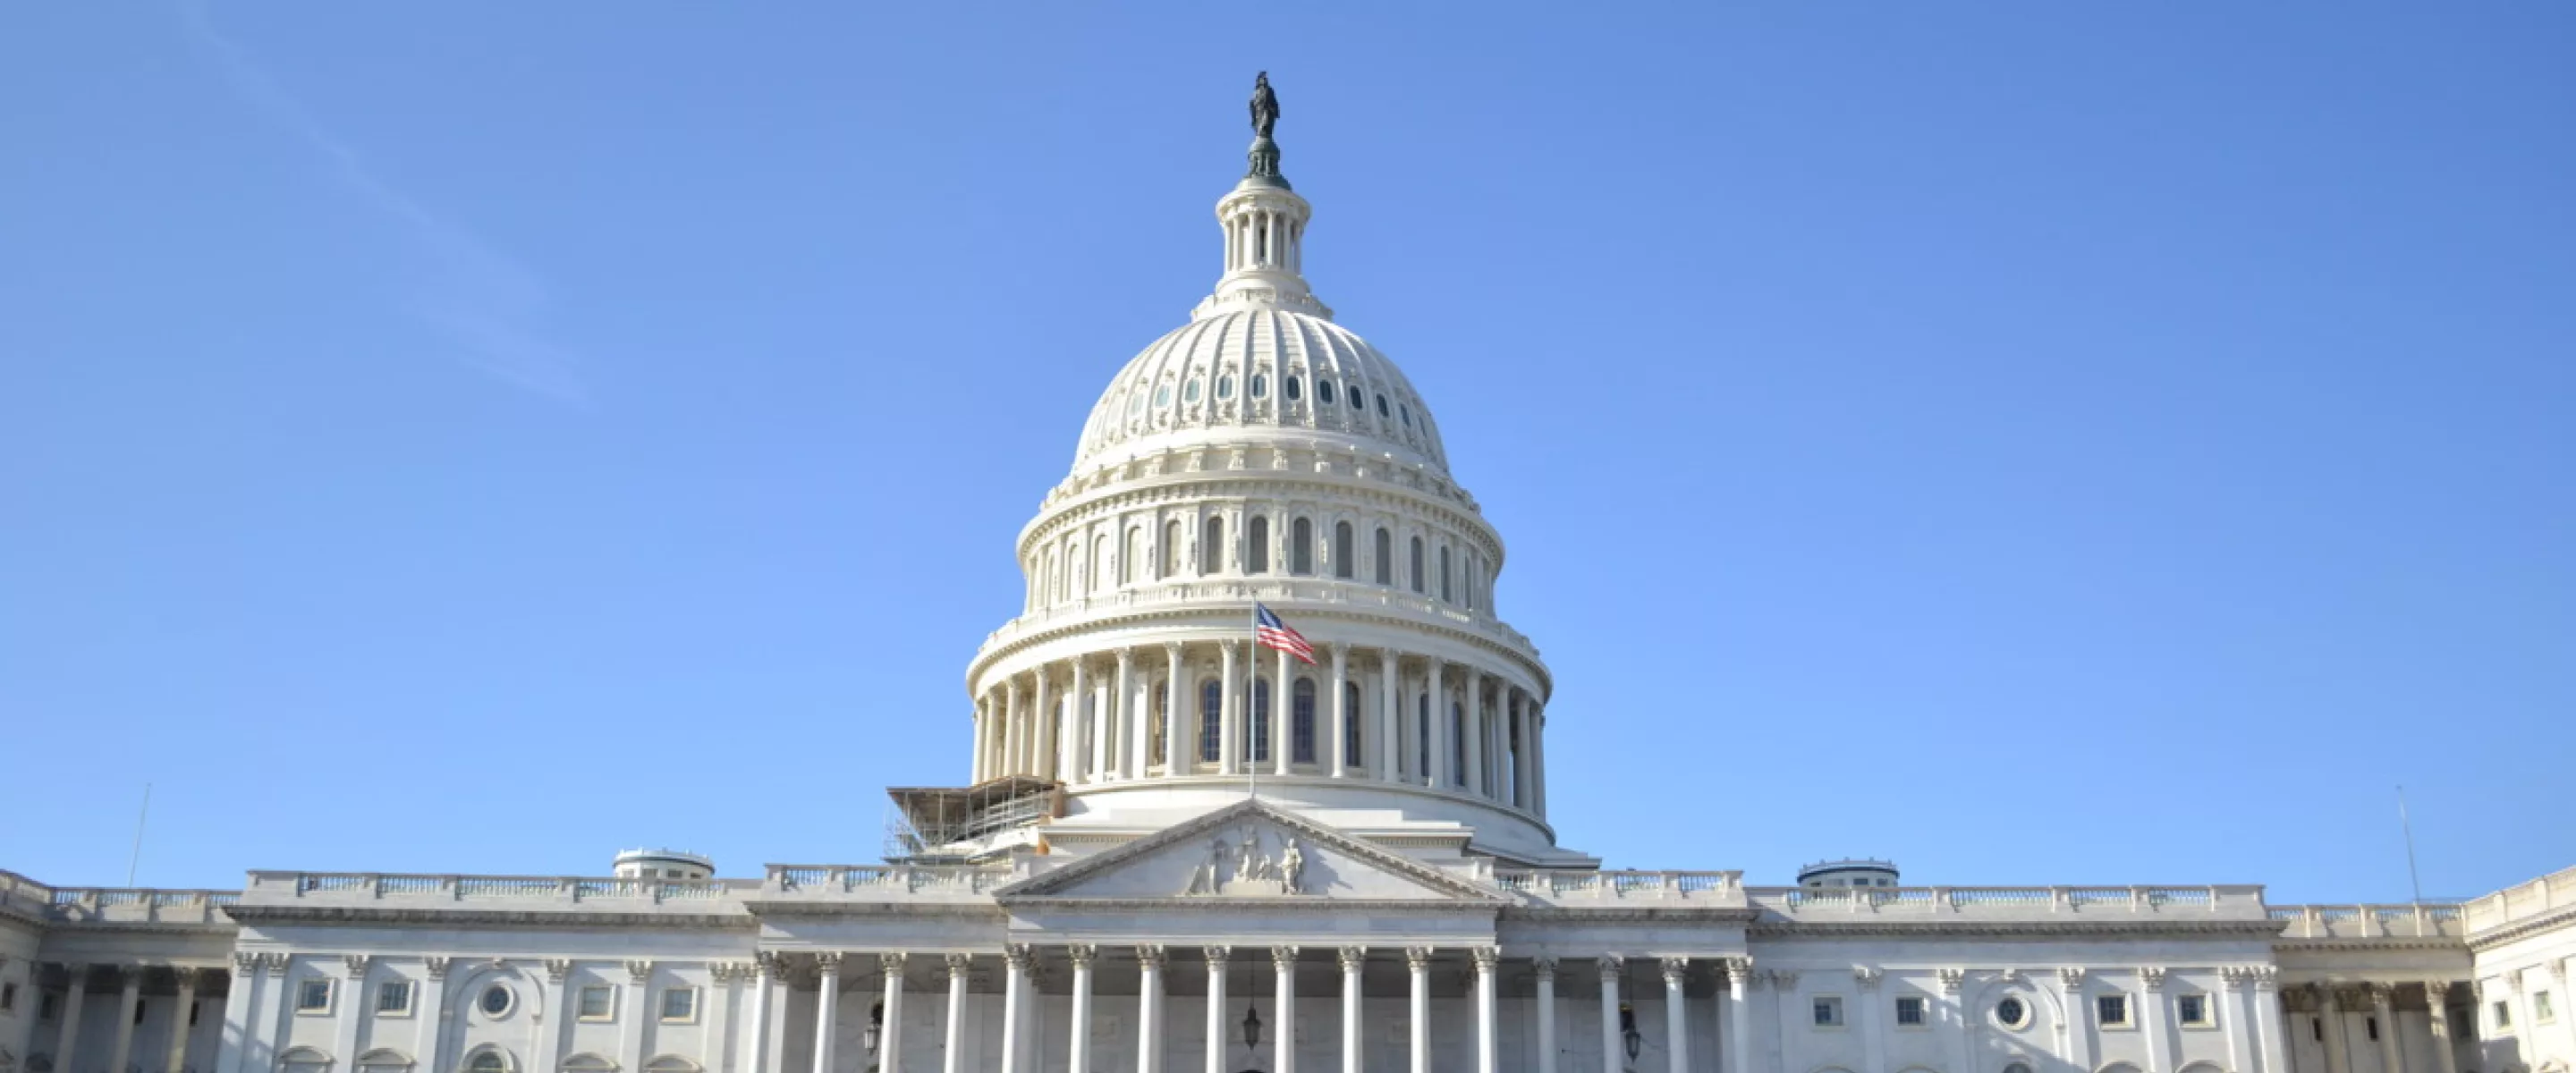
{"points": [[1256, 743], [302, 1060], [1171, 549], [1289, 386], [1381, 406], [1417, 564], [1342, 549], [487, 1060], [1458, 741], [1099, 577], [1444, 575], [1135, 553], [1256, 552], [1301, 547], [1301, 722], [1260, 386], [1212, 547], [1163, 397], [1324, 392], [1385, 556], [1051, 583], [1422, 734], [1225, 386], [1211, 719], [1191, 393], [1351, 723]]}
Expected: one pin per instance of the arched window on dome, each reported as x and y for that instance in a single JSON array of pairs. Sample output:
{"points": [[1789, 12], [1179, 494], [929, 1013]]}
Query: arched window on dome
{"points": [[1342, 565], [1385, 557], [1225, 386], [1351, 723], [1256, 740], [1417, 564], [1292, 387], [1211, 719], [1260, 385], [1212, 547], [1358, 401], [1256, 550], [1323, 391], [1163, 397], [1135, 553], [1171, 550], [1382, 413], [1191, 392], [1444, 575], [1301, 722], [1050, 582], [1301, 547], [1099, 577], [1159, 723], [1458, 741], [1407, 413]]}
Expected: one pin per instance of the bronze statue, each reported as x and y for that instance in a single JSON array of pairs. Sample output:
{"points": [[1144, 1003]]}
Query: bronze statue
{"points": [[1265, 106]]}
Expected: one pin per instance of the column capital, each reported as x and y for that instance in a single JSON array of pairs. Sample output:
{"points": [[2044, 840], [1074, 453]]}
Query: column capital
{"points": [[1675, 969], [891, 963], [247, 964], [1127, 657], [1487, 958], [558, 969], [642, 971], [1612, 967], [959, 965], [353, 965], [1353, 958], [2151, 977], [1151, 956], [769, 965], [1216, 956], [1418, 958], [1543, 967], [1283, 958], [1868, 976], [1019, 956], [2071, 979], [1081, 954], [1737, 968], [1784, 981], [2382, 993]]}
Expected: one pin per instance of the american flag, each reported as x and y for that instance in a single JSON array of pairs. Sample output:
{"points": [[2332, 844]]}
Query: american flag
{"points": [[1272, 633]]}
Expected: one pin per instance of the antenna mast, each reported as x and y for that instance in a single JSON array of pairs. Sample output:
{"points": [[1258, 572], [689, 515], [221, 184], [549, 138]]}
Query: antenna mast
{"points": [[2408, 828], [135, 860]]}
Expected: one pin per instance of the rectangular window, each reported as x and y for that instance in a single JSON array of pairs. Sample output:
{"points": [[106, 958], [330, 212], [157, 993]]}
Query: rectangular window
{"points": [[1909, 1013], [1828, 1011], [393, 997], [2112, 1010], [138, 1012], [8, 997], [2192, 1010], [2371, 1025], [680, 1004], [313, 995], [2503, 1015], [48, 1006], [2542, 1010], [598, 1003]]}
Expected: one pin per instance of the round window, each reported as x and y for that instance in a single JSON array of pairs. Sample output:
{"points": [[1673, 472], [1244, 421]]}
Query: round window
{"points": [[496, 1000], [1225, 387], [2012, 1012], [1190, 393], [1290, 387], [1260, 386], [1162, 396], [1324, 392]]}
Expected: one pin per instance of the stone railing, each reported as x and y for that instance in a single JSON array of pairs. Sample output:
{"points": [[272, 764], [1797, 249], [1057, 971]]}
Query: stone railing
{"points": [[2520, 902], [1146, 596], [1833, 903], [353, 887], [1555, 886], [115, 905], [2428, 920], [878, 881]]}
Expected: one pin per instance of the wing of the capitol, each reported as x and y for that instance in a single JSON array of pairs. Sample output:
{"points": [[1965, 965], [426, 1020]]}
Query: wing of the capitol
{"points": [[1178, 850]]}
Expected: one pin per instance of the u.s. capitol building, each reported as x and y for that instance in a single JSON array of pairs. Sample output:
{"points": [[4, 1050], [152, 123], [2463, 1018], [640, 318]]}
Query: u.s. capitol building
{"points": [[1181, 851]]}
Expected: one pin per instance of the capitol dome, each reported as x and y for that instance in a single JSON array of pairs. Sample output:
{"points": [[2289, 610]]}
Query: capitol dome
{"points": [[1259, 457]]}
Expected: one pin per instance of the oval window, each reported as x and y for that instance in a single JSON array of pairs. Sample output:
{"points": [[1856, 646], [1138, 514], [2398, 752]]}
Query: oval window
{"points": [[496, 1000], [1162, 396], [1324, 392], [1190, 393], [1289, 386], [2012, 1012], [1225, 387], [1260, 386]]}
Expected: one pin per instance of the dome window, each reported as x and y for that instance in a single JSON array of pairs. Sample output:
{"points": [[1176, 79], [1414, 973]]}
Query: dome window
{"points": [[1407, 411], [1358, 403], [1260, 386], [1290, 387], [1324, 392], [1162, 396], [1190, 393], [1135, 404], [1225, 387], [1381, 407]]}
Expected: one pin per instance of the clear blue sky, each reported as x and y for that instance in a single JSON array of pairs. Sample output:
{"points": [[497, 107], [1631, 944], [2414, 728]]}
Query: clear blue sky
{"points": [[2038, 442]]}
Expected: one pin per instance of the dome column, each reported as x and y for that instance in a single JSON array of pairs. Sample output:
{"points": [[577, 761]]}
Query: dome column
{"points": [[1390, 744], [1178, 730], [1436, 774], [1122, 742], [1342, 713], [1041, 733], [1473, 726], [1077, 728], [1283, 704], [1229, 709]]}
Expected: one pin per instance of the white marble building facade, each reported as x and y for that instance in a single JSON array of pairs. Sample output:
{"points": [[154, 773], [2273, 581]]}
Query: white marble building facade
{"points": [[1178, 851]]}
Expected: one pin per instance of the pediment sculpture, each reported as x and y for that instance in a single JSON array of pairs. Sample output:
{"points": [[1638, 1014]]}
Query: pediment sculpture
{"points": [[1242, 869]]}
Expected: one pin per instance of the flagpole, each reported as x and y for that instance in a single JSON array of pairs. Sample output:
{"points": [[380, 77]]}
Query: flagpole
{"points": [[1251, 681]]}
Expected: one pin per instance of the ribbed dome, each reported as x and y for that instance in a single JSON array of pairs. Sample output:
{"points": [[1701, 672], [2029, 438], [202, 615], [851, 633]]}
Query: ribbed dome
{"points": [[1261, 370]]}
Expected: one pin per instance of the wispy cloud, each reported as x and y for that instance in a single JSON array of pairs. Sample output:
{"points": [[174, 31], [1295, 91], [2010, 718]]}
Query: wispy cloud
{"points": [[482, 300]]}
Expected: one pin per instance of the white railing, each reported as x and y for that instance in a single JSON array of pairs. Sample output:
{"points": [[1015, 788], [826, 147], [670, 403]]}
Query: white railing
{"points": [[2428, 920], [2523, 901], [124, 905], [1806, 902], [1568, 884], [1153, 595], [373, 886], [881, 880]]}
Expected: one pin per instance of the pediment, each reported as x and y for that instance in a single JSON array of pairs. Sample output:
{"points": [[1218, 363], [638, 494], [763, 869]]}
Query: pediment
{"points": [[1249, 851]]}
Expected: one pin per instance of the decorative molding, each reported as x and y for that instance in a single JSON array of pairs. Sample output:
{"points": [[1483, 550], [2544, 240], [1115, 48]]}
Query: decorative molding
{"points": [[642, 971], [1284, 958], [2151, 978], [2071, 979], [770, 964], [1018, 957], [1216, 956], [1611, 966], [1487, 958], [277, 963], [1784, 981], [557, 969], [1082, 954], [436, 966], [960, 965], [1867, 976], [1675, 969], [1952, 980], [1152, 956], [892, 964], [245, 963], [1543, 968], [1418, 958], [355, 965]]}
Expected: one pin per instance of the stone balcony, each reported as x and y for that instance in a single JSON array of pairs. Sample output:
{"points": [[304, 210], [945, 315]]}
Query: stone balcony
{"points": [[2407, 923], [113, 906]]}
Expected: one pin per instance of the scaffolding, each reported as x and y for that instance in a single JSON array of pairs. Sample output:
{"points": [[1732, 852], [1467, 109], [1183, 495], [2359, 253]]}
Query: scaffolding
{"points": [[945, 824]]}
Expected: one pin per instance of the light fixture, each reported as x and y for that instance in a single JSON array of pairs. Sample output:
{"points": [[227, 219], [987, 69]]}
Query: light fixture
{"points": [[1628, 1034], [1251, 1027], [876, 1028]]}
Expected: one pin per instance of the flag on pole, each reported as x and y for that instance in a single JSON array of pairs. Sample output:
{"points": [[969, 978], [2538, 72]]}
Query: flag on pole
{"points": [[1269, 632]]}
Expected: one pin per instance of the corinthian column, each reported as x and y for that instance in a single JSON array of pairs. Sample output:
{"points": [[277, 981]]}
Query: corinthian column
{"points": [[1149, 1002], [1488, 959], [1438, 774], [1545, 968], [1078, 1051], [1122, 743], [1354, 959], [1283, 963], [1390, 704], [1417, 961], [2437, 1001], [1180, 716], [1612, 966], [1283, 712], [1230, 709], [959, 967], [890, 1039], [1216, 1006], [1015, 1001], [827, 1007], [1342, 713], [1077, 725], [1676, 1014], [1475, 732]]}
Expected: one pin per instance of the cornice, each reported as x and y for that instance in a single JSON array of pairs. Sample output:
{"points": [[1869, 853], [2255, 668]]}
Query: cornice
{"points": [[352, 914], [2353, 945], [1197, 613], [1304, 904], [1162, 490], [2036, 929], [2528, 926]]}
